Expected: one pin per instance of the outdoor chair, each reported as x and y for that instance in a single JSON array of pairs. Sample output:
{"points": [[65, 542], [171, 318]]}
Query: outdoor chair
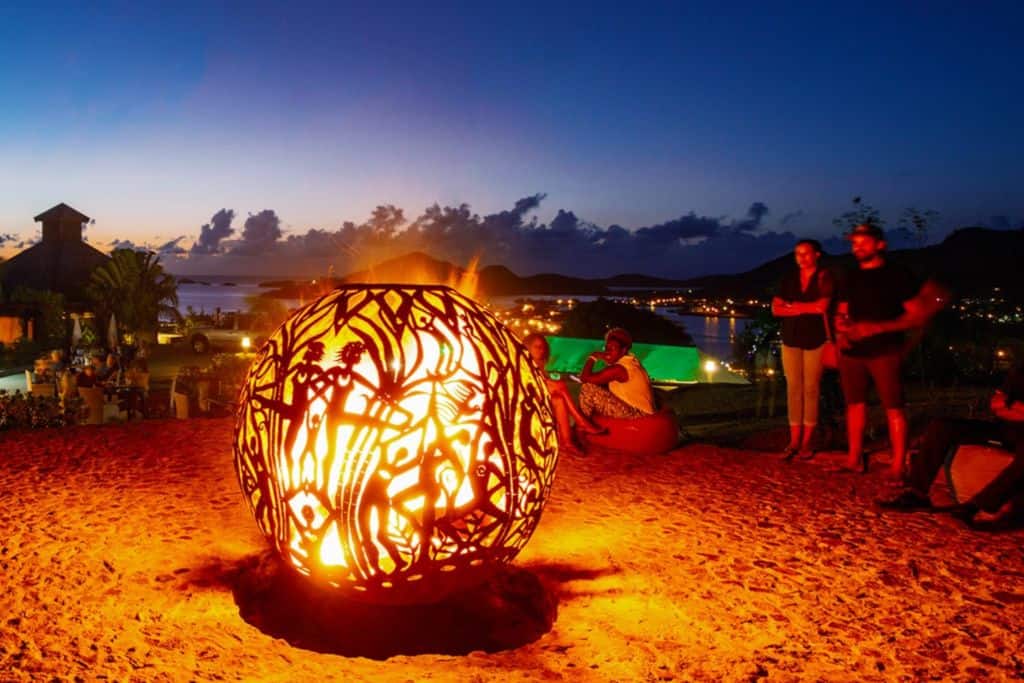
{"points": [[39, 388], [44, 389], [971, 467], [179, 401], [68, 388], [99, 410]]}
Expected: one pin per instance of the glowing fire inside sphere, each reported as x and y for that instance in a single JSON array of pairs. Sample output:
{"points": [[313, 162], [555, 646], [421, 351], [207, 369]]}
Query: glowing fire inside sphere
{"points": [[395, 440]]}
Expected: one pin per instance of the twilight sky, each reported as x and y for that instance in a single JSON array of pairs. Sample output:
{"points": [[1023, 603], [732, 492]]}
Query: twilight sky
{"points": [[664, 138]]}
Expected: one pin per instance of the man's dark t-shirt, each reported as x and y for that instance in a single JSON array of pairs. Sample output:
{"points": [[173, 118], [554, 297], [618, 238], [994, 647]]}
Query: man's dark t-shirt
{"points": [[875, 295], [805, 331]]}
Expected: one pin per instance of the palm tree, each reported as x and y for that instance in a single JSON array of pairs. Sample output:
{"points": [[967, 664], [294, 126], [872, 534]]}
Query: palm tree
{"points": [[134, 286]]}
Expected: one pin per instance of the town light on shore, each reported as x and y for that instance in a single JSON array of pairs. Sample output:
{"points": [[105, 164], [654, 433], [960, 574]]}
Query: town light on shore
{"points": [[246, 343], [710, 367], [394, 441]]}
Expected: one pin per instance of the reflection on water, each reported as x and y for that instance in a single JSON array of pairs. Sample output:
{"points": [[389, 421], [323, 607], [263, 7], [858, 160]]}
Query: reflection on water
{"points": [[712, 335]]}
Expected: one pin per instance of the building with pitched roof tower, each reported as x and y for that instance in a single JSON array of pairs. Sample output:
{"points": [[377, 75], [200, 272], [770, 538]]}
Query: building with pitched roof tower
{"points": [[61, 262]]}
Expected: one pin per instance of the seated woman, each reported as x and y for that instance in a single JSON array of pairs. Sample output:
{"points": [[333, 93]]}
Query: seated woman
{"points": [[622, 389], [561, 399]]}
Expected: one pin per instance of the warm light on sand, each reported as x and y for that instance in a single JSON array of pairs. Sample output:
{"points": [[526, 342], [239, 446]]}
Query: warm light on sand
{"points": [[391, 434]]}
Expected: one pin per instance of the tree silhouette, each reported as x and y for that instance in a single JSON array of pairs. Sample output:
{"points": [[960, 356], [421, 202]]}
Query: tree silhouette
{"points": [[861, 213], [917, 222], [133, 286]]}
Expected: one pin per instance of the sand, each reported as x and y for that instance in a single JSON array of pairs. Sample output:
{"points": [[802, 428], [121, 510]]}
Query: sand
{"points": [[128, 554]]}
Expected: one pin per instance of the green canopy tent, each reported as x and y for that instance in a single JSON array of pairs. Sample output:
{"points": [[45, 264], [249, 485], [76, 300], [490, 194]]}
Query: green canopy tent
{"points": [[665, 364]]}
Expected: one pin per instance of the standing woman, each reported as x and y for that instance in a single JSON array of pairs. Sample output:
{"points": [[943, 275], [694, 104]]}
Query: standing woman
{"points": [[805, 295]]}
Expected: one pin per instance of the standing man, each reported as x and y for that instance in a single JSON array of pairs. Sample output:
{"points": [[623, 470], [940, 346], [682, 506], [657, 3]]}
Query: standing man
{"points": [[878, 303]]}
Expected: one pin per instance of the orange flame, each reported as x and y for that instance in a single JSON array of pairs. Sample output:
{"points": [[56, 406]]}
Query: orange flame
{"points": [[425, 272], [468, 283]]}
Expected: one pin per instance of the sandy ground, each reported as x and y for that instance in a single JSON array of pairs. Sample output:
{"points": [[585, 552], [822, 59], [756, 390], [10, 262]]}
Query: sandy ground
{"points": [[128, 554]]}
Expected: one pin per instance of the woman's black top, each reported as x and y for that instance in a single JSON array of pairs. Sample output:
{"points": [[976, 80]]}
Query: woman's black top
{"points": [[806, 331]]}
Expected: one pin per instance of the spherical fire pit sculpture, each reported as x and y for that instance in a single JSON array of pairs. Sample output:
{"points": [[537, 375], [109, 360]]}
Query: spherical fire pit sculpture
{"points": [[395, 441]]}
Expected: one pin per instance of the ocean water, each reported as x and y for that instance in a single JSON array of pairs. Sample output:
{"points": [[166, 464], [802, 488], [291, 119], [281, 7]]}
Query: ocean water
{"points": [[226, 293], [712, 335]]}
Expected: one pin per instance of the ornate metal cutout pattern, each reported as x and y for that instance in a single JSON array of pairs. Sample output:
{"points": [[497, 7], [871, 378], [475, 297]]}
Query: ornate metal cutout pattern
{"points": [[389, 435]]}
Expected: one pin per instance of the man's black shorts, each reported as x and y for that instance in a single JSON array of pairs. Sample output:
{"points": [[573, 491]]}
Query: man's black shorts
{"points": [[884, 369]]}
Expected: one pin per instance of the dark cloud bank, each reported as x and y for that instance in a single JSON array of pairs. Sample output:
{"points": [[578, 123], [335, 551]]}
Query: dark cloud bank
{"points": [[687, 246]]}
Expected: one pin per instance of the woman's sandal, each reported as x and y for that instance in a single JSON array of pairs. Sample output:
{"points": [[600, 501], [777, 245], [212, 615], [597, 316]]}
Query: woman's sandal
{"points": [[788, 454], [806, 455]]}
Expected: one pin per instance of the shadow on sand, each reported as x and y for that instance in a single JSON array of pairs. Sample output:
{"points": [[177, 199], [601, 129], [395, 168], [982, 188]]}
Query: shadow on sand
{"points": [[515, 607]]}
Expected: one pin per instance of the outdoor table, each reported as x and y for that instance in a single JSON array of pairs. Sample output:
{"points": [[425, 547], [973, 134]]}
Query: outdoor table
{"points": [[130, 398]]}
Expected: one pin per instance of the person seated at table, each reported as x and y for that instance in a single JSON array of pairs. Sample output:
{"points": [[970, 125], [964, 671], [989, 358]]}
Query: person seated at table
{"points": [[621, 389], [87, 377], [110, 370], [561, 400], [941, 436], [57, 363]]}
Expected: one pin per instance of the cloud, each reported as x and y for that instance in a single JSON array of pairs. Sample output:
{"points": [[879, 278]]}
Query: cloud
{"points": [[211, 234], [683, 228], [792, 218], [259, 234], [169, 249], [172, 247], [755, 215], [686, 246], [6, 237]]}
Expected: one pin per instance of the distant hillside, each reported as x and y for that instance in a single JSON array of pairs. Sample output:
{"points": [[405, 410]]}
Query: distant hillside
{"points": [[972, 261], [491, 280]]}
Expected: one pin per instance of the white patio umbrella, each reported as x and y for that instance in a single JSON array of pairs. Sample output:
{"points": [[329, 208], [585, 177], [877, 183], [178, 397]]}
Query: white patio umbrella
{"points": [[76, 332], [112, 332]]}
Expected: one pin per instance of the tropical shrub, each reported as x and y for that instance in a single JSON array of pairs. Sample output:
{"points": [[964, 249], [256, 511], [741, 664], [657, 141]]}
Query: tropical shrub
{"points": [[27, 411], [50, 325]]}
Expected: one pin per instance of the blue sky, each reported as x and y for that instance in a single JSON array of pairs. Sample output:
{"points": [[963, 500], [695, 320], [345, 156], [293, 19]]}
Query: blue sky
{"points": [[150, 117]]}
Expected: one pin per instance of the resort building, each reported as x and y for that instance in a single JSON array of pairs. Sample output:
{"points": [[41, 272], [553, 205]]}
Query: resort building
{"points": [[60, 262]]}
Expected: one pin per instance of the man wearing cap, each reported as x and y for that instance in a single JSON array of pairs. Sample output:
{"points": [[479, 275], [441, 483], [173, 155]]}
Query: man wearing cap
{"points": [[622, 388], [878, 303]]}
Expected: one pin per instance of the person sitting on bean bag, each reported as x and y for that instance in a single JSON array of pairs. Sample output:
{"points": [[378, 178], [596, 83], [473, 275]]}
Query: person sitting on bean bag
{"points": [[622, 389]]}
